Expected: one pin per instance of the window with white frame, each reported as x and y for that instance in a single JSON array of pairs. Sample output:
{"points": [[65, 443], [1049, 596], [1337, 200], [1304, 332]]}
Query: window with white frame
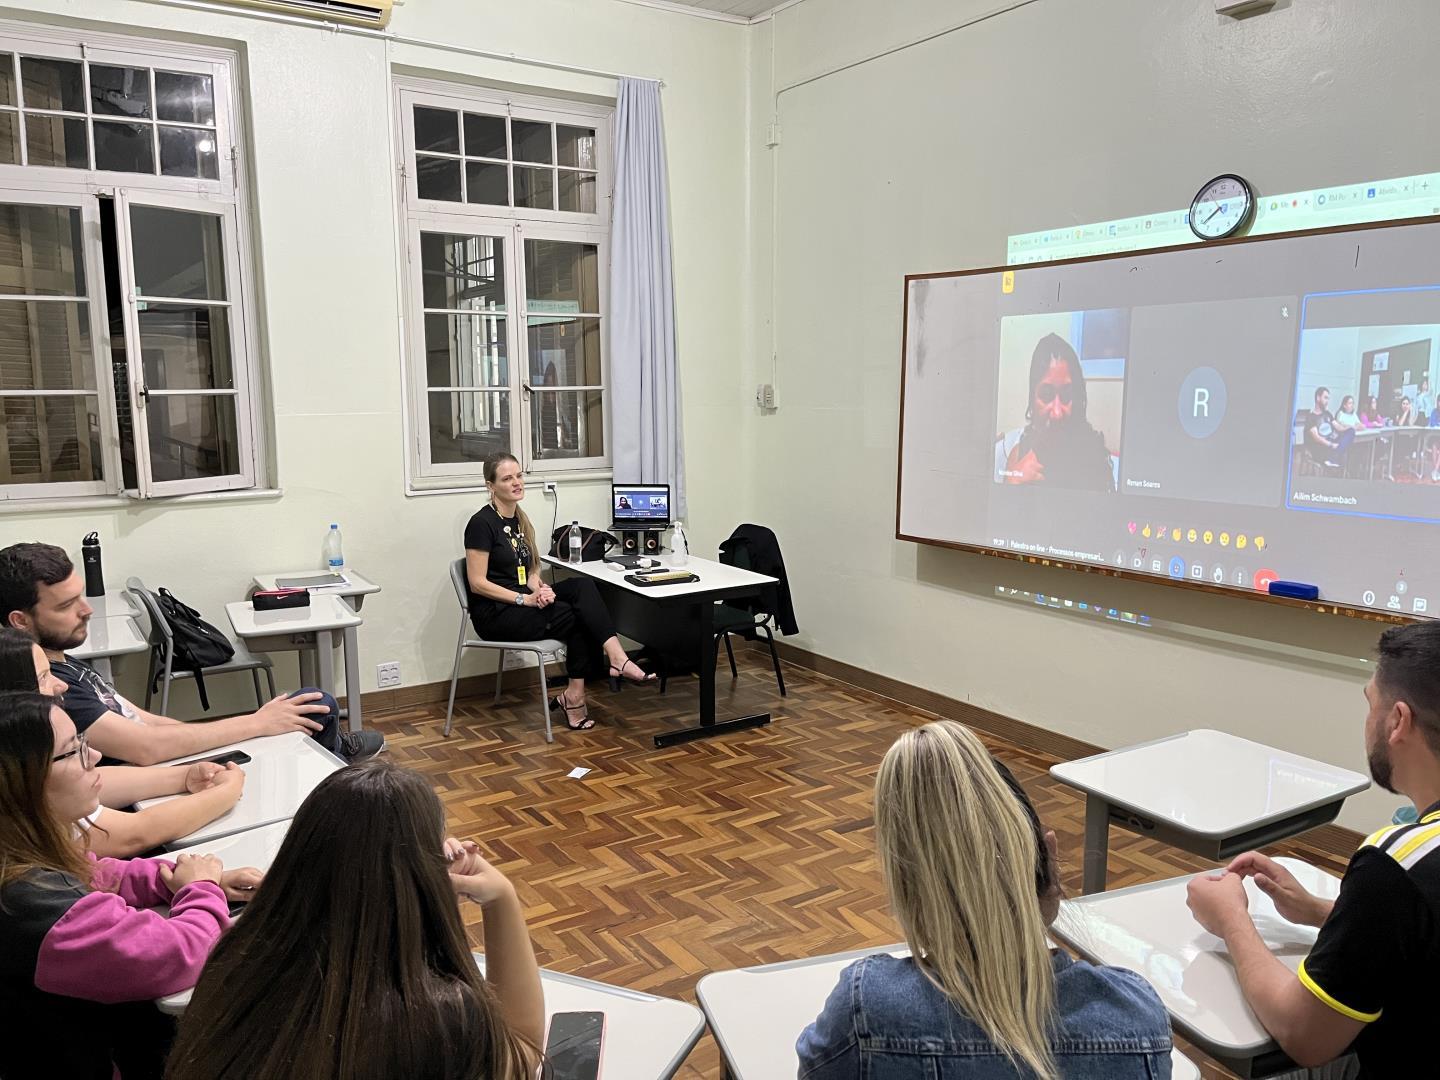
{"points": [[125, 363], [506, 218]]}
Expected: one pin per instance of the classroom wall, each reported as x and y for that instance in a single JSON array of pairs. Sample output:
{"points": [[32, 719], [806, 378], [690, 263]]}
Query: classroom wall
{"points": [[1041, 113], [319, 114]]}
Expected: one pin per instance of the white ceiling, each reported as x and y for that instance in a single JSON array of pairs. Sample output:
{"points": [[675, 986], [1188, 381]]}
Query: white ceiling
{"points": [[745, 9]]}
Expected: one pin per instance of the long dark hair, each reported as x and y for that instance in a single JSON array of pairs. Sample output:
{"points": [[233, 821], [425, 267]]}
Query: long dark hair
{"points": [[351, 960], [17, 662], [1048, 349], [31, 838]]}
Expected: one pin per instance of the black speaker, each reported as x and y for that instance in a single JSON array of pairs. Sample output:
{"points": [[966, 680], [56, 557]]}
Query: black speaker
{"points": [[630, 542], [652, 543]]}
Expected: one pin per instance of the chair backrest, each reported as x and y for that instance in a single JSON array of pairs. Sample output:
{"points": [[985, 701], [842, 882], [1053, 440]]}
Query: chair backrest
{"points": [[462, 585], [160, 633]]}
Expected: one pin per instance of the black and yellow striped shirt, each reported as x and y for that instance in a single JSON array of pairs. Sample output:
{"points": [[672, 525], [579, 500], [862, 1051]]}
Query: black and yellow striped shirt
{"points": [[1378, 949]]}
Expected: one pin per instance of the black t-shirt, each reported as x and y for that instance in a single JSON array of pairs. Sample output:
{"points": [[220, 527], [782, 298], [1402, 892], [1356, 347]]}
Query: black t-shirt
{"points": [[90, 696], [1377, 952], [1319, 423], [511, 560]]}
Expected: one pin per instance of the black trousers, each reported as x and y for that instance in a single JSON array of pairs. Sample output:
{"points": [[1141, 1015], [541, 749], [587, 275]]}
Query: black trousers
{"points": [[578, 617]]}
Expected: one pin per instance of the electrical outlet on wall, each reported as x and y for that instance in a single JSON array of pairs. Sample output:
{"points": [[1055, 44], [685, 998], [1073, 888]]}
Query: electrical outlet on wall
{"points": [[515, 660], [550, 487], [387, 674]]}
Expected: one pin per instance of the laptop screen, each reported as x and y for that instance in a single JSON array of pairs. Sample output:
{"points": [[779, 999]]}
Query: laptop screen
{"points": [[641, 504]]}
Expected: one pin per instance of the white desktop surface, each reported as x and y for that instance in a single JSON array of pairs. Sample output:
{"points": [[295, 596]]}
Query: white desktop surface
{"points": [[324, 613], [114, 602], [1148, 929], [358, 584], [114, 635], [713, 576], [1209, 782], [283, 770], [645, 1036], [253, 847], [758, 1013]]}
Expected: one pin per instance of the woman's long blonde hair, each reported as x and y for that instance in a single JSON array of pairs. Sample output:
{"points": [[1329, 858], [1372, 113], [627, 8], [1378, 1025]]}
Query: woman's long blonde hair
{"points": [[492, 470], [965, 864]]}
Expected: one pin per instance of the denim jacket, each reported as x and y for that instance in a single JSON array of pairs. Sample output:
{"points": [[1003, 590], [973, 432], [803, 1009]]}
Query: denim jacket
{"points": [[886, 1021]]}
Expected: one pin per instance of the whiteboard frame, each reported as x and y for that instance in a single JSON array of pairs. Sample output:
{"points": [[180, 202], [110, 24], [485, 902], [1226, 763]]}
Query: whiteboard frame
{"points": [[1323, 607]]}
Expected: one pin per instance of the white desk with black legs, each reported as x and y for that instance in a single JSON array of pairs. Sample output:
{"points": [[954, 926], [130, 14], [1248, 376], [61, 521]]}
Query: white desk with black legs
{"points": [[758, 1013], [1209, 792], [312, 627], [680, 620]]}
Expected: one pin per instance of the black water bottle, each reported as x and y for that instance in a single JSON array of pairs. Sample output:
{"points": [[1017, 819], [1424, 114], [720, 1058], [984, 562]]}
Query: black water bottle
{"points": [[90, 556]]}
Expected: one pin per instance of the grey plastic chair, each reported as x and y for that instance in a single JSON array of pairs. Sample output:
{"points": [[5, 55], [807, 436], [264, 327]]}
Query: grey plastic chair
{"points": [[540, 648], [162, 655]]}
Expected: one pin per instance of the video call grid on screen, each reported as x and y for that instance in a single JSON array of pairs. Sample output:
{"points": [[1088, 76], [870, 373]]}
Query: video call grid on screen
{"points": [[641, 504], [1191, 379]]}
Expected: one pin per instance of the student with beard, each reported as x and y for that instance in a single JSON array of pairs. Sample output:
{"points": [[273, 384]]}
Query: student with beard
{"points": [[1366, 982], [1057, 446]]}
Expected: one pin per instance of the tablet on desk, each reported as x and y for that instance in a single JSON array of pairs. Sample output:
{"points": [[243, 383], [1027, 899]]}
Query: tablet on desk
{"points": [[312, 581]]}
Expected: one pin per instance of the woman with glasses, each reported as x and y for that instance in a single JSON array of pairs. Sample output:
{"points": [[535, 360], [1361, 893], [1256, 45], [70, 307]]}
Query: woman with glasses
{"points": [[210, 789], [82, 957], [1057, 446]]}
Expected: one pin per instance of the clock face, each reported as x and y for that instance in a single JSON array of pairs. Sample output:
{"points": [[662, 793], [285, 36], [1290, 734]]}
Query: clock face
{"points": [[1222, 208]]}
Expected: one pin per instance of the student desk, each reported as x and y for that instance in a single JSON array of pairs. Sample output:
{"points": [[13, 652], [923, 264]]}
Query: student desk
{"points": [[353, 594], [283, 770], [312, 627], [758, 1013], [1148, 929], [1204, 791], [253, 847], [112, 635], [646, 1037], [681, 618]]}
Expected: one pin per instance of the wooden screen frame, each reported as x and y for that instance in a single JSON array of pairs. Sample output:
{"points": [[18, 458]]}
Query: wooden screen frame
{"points": [[1323, 607]]}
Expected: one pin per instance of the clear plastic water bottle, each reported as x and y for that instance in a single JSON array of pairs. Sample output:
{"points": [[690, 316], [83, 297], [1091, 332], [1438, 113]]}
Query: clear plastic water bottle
{"points": [[576, 542], [334, 555], [679, 545]]}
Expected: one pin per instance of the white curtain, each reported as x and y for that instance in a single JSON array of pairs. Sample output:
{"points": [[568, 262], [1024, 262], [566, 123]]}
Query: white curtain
{"points": [[645, 381]]}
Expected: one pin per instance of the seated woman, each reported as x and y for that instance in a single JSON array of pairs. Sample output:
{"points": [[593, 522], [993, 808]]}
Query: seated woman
{"points": [[973, 880], [1406, 416], [81, 959], [1371, 416], [212, 789], [363, 893], [510, 602]]}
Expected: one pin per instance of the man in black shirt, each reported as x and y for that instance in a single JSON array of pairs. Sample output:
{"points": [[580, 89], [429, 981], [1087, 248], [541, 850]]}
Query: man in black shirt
{"points": [[42, 595], [1367, 980], [1321, 441]]}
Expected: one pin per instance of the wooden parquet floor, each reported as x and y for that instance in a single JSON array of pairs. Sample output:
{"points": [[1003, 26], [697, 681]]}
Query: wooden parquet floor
{"points": [[660, 866]]}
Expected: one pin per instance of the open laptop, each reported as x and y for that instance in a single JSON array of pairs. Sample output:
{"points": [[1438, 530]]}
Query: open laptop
{"points": [[640, 507]]}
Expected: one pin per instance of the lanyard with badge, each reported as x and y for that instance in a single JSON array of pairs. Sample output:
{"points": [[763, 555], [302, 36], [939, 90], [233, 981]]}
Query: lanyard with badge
{"points": [[522, 555]]}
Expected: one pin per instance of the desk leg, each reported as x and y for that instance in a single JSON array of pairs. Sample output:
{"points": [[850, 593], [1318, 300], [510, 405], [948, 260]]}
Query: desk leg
{"points": [[1097, 843], [702, 619], [352, 676], [308, 664], [324, 661]]}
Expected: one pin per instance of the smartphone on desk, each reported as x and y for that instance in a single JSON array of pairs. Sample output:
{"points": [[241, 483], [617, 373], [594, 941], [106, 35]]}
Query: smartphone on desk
{"points": [[239, 757], [573, 1043]]}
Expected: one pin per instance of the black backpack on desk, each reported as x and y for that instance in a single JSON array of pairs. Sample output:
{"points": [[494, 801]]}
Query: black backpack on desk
{"points": [[197, 644]]}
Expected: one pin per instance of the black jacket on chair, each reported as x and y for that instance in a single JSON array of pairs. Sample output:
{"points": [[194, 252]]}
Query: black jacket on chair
{"points": [[762, 555]]}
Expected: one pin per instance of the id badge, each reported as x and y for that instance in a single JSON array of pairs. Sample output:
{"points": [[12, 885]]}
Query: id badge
{"points": [[520, 573]]}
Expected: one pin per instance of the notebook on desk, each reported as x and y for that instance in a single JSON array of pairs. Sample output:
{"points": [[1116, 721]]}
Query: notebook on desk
{"points": [[312, 581]]}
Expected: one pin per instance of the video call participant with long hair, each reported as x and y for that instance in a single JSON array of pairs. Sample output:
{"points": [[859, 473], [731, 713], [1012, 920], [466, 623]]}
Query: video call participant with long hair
{"points": [[352, 961], [973, 881], [1057, 446], [510, 602], [24, 668], [81, 959]]}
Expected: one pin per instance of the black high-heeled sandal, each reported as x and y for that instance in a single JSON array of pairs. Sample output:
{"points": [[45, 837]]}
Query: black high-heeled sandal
{"points": [[585, 723], [618, 673]]}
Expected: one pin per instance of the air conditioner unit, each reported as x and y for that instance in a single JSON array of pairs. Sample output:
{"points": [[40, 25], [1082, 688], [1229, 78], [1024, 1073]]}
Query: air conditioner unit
{"points": [[372, 13]]}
